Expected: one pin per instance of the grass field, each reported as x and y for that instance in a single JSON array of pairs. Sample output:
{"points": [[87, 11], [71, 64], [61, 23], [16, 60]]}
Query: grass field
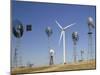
{"points": [[85, 65]]}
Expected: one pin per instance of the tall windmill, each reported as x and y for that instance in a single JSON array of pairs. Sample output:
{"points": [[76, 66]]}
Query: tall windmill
{"points": [[63, 29], [90, 44], [75, 38], [17, 30], [49, 32]]}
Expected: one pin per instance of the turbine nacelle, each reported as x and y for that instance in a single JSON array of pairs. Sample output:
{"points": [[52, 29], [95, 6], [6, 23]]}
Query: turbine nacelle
{"points": [[62, 29]]}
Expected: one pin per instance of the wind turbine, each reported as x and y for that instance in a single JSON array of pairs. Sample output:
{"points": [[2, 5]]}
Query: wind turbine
{"points": [[63, 35]]}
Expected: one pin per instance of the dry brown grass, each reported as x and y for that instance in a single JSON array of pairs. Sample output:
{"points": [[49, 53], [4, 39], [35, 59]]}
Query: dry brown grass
{"points": [[55, 68]]}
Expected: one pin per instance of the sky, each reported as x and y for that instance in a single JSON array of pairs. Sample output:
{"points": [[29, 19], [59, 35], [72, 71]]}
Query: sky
{"points": [[33, 46]]}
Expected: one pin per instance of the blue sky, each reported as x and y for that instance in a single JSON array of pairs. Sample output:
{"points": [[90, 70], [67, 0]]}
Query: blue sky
{"points": [[34, 44]]}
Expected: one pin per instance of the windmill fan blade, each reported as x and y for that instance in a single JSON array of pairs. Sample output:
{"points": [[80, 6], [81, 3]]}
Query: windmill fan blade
{"points": [[59, 24], [93, 25], [69, 25], [60, 37], [17, 28]]}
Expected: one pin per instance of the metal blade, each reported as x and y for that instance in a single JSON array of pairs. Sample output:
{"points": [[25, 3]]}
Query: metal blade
{"points": [[60, 36], [69, 25], [59, 24]]}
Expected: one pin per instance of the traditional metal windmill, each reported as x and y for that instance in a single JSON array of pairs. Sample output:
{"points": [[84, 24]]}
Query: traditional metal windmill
{"points": [[82, 53], [51, 57], [90, 43], [17, 29], [49, 32], [75, 38]]}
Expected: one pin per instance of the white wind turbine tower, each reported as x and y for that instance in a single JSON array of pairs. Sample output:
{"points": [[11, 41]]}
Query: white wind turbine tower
{"points": [[63, 35]]}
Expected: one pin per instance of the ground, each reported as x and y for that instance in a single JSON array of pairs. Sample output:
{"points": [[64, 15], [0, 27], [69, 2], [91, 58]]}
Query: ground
{"points": [[84, 65]]}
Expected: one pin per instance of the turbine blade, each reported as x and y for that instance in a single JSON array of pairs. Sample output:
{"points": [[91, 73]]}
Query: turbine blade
{"points": [[69, 25], [59, 24], [60, 36]]}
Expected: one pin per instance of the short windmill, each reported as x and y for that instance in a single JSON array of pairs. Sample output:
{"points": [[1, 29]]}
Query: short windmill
{"points": [[63, 29], [51, 57], [75, 38], [82, 53]]}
